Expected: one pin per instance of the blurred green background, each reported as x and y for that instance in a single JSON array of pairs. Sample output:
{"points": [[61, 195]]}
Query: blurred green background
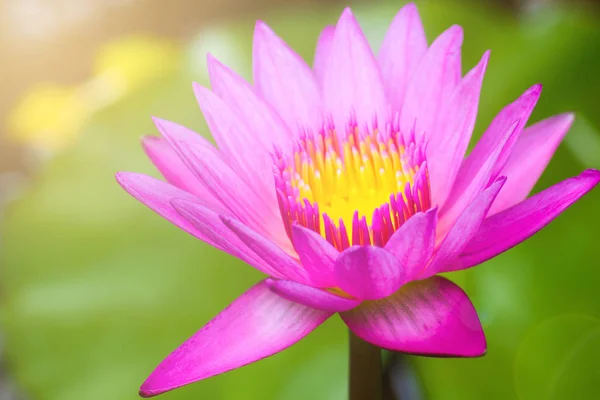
{"points": [[96, 289]]}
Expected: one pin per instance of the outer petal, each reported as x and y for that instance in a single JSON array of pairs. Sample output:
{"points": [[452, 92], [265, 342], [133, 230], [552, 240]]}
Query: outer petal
{"points": [[510, 227], [464, 229], [210, 225], [257, 325], [284, 80], [468, 186], [352, 82], [258, 116], [414, 242], [278, 259], [322, 52], [518, 111], [316, 254], [176, 172], [448, 143], [250, 158], [240, 199], [489, 156], [435, 78], [309, 296], [157, 196], [430, 317], [401, 52], [529, 158], [368, 272]]}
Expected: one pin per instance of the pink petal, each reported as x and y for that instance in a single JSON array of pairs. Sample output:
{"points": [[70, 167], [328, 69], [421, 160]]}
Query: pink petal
{"points": [[278, 259], [283, 79], [510, 227], [256, 325], [368, 272], [414, 242], [352, 84], [401, 52], [175, 171], [248, 157], [464, 229], [519, 110], [309, 296], [490, 154], [210, 225], [430, 317], [322, 52], [157, 196], [435, 78], [448, 144], [529, 158], [468, 185], [265, 123], [240, 199], [316, 254]]}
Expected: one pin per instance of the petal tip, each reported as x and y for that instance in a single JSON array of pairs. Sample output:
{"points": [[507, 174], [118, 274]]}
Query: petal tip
{"points": [[592, 174], [146, 393], [535, 90], [262, 30], [457, 32], [409, 7]]}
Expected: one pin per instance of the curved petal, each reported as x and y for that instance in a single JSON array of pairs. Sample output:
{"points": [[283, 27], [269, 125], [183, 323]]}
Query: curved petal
{"points": [[464, 229], [250, 158], [322, 52], [157, 196], [368, 272], [259, 117], [414, 242], [240, 199], [283, 78], [278, 259], [256, 325], [448, 143], [517, 112], [402, 50], [489, 156], [316, 254], [430, 317], [435, 78], [210, 225], [176, 172], [352, 84], [309, 296], [529, 158], [468, 186], [510, 227]]}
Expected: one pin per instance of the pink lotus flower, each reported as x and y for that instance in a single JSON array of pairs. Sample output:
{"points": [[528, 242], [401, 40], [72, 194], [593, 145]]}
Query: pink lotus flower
{"points": [[347, 184]]}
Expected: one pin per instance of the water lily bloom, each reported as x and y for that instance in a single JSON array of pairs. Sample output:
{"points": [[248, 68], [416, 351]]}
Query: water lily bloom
{"points": [[349, 186]]}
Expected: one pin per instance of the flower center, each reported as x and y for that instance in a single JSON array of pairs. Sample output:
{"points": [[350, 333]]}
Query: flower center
{"points": [[359, 189]]}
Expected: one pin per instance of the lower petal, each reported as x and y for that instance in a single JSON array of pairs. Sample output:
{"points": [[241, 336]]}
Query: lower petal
{"points": [[414, 242], [510, 227], [368, 272], [430, 317], [256, 325], [464, 229], [268, 251], [157, 195], [529, 158], [309, 296], [209, 223]]}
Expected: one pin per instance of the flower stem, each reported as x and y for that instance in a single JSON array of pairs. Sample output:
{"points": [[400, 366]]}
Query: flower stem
{"points": [[366, 379]]}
